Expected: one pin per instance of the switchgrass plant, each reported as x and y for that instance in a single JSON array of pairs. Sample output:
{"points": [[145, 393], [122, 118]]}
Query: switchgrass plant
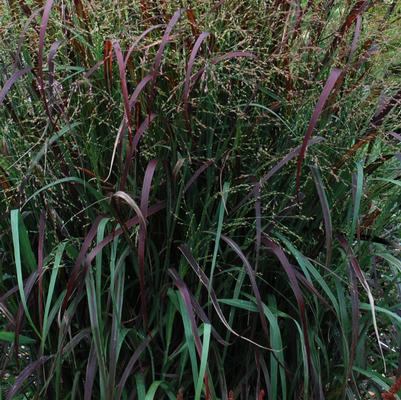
{"points": [[200, 201]]}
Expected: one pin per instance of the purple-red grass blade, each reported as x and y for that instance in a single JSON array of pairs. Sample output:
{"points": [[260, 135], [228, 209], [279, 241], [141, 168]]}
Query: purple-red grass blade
{"points": [[50, 64], [9, 293], [158, 58], [147, 182], [292, 276], [8, 315], [138, 90], [42, 227], [358, 9], [21, 38], [371, 51], [132, 101], [10, 82], [328, 87], [384, 109], [372, 132], [132, 203], [324, 204], [292, 154], [141, 130], [197, 173], [91, 368], [128, 369], [70, 346], [81, 11], [203, 317], [381, 104], [124, 88], [93, 69], [24, 375], [77, 269], [395, 135], [309, 285], [205, 282], [287, 159], [42, 33], [109, 238], [251, 274], [362, 280], [4, 308], [187, 83], [289, 270], [357, 34], [137, 40], [218, 59], [192, 22], [182, 287], [132, 150], [165, 39], [108, 63]]}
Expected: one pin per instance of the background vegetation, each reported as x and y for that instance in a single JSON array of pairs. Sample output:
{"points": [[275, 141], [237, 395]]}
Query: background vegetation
{"points": [[200, 201]]}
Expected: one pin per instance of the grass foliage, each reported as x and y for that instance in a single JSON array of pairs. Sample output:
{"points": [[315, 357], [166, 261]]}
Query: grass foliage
{"points": [[200, 202]]}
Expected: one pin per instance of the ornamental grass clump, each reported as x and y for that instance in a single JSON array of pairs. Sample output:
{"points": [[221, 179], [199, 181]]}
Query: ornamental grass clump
{"points": [[199, 201]]}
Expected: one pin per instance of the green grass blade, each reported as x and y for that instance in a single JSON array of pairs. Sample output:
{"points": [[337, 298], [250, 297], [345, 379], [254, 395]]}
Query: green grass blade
{"points": [[207, 328], [15, 228], [50, 291], [222, 207], [358, 198]]}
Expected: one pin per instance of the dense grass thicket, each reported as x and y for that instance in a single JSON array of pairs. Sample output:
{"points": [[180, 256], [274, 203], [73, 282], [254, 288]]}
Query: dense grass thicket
{"points": [[200, 200]]}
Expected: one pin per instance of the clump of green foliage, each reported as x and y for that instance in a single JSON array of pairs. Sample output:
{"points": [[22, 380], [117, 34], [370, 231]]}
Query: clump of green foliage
{"points": [[199, 202]]}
